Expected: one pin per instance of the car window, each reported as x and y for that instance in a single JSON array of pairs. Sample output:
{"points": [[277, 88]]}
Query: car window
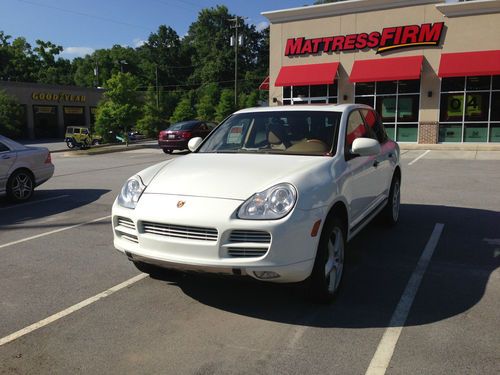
{"points": [[293, 132], [76, 131], [69, 130], [374, 125], [183, 126], [355, 128], [85, 131], [3, 148]]}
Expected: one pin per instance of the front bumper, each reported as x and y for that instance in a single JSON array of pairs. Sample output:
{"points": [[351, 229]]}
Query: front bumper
{"points": [[290, 251]]}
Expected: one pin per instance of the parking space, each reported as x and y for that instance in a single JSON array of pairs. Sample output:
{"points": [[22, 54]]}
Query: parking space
{"points": [[53, 258]]}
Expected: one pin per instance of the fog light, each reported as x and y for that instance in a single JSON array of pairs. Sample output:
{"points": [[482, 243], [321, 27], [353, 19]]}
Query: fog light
{"points": [[265, 275]]}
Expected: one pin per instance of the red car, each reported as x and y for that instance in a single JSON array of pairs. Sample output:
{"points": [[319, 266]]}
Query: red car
{"points": [[177, 136]]}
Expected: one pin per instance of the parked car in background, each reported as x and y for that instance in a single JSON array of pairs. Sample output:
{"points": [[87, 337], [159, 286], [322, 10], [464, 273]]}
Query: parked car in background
{"points": [[177, 136], [22, 169], [80, 137], [273, 193]]}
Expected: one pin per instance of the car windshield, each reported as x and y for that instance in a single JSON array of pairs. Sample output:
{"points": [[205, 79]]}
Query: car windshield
{"points": [[284, 132], [183, 125]]}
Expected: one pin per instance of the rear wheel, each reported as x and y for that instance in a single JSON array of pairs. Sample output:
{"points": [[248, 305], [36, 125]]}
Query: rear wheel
{"points": [[20, 186], [328, 268], [70, 144], [167, 151], [390, 213]]}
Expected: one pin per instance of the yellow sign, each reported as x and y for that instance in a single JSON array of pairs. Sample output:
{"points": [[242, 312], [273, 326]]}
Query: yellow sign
{"points": [[57, 97], [42, 109], [73, 110], [456, 105]]}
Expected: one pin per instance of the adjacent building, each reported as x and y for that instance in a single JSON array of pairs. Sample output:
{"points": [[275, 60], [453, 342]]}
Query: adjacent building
{"points": [[430, 68], [49, 109]]}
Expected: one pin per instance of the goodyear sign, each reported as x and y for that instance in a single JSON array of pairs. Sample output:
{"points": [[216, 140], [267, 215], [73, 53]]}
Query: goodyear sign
{"points": [[57, 97]]}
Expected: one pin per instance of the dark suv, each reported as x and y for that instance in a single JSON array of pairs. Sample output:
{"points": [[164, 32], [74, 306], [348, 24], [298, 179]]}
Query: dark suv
{"points": [[177, 136]]}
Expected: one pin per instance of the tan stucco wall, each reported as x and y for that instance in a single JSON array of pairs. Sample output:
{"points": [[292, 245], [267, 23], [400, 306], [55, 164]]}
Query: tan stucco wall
{"points": [[461, 34]]}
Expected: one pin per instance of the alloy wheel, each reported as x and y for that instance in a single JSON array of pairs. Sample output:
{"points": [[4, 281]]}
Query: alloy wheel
{"points": [[335, 261]]}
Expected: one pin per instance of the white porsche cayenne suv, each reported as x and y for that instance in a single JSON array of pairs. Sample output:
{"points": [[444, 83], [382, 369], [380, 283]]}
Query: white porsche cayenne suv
{"points": [[272, 193]]}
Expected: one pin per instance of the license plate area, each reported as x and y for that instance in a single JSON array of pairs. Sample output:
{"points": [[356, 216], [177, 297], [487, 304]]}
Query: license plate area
{"points": [[171, 136]]}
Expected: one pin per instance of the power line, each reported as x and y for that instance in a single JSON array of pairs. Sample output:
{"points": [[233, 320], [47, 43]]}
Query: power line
{"points": [[83, 14]]}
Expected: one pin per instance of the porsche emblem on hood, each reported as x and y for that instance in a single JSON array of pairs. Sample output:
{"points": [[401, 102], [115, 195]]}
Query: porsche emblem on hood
{"points": [[181, 204]]}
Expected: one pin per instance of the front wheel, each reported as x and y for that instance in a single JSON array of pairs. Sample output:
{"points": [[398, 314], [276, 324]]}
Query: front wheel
{"points": [[167, 151], [390, 213], [20, 186], [328, 268], [70, 144]]}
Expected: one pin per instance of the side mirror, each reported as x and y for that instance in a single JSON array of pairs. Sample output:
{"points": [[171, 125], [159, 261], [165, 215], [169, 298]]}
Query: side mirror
{"points": [[194, 143], [365, 147]]}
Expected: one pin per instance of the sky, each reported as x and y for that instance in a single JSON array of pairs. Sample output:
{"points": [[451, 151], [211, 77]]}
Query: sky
{"points": [[81, 26]]}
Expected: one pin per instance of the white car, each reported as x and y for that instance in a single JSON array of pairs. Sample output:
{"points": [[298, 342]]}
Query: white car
{"points": [[22, 169], [272, 193]]}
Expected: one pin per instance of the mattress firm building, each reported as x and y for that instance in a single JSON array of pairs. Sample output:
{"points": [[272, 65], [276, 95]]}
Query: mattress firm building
{"points": [[431, 69], [49, 109]]}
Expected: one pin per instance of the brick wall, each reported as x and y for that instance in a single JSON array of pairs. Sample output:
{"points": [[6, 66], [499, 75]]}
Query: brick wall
{"points": [[428, 132]]}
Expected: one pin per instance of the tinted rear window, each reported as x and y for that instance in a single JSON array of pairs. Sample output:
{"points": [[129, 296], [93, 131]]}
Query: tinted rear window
{"points": [[183, 125]]}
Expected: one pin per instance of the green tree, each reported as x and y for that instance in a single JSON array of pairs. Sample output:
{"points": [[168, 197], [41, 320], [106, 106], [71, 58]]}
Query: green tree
{"points": [[153, 117], [205, 109], [121, 106], [225, 106], [11, 114], [183, 111]]}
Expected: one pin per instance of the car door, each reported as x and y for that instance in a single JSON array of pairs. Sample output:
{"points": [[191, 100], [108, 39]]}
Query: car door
{"points": [[363, 185], [383, 162], [7, 159]]}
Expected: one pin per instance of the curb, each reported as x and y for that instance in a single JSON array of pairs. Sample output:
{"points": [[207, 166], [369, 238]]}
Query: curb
{"points": [[450, 147], [104, 150]]}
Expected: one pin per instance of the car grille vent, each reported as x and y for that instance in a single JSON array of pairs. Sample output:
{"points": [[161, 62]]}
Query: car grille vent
{"points": [[248, 243], [250, 236], [125, 222], [129, 237], [179, 231], [246, 252]]}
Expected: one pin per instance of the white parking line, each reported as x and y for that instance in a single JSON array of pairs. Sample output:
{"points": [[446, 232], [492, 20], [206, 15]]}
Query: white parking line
{"points": [[53, 232], [33, 202], [70, 310], [419, 157], [385, 349]]}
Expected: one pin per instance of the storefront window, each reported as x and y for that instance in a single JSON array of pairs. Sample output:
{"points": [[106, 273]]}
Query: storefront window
{"points": [[469, 109], [296, 95], [398, 104]]}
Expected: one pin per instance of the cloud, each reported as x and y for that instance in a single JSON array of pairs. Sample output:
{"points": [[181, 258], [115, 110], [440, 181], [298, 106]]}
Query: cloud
{"points": [[72, 52], [262, 25], [138, 42]]}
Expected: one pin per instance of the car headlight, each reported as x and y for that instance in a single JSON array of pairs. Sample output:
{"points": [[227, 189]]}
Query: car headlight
{"points": [[131, 192], [273, 203]]}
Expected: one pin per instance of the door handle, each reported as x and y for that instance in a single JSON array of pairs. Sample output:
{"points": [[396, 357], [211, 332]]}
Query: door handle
{"points": [[375, 163]]}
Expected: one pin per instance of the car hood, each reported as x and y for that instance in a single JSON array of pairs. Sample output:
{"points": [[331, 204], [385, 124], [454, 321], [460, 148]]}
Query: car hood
{"points": [[229, 176]]}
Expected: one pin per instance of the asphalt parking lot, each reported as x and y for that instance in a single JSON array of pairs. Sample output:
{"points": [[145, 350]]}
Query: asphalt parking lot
{"points": [[420, 298]]}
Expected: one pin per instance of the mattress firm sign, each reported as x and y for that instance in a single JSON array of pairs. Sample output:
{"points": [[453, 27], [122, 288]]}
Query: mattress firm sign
{"points": [[390, 38]]}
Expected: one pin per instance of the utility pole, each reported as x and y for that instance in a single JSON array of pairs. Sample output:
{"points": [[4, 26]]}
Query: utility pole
{"points": [[157, 88], [235, 42]]}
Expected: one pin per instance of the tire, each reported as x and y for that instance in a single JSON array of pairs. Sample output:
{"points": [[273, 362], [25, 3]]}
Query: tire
{"points": [[70, 144], [167, 151], [326, 276], [390, 213], [20, 186]]}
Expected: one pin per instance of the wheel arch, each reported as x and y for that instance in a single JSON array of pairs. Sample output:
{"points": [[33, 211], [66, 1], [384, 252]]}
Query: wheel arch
{"points": [[339, 210], [26, 169]]}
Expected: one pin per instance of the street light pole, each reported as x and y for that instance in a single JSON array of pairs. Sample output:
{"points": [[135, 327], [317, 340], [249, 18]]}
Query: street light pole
{"points": [[236, 26]]}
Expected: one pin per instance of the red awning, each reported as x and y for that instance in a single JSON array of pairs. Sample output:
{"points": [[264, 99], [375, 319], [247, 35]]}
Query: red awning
{"points": [[384, 69], [482, 63], [310, 74], [265, 84]]}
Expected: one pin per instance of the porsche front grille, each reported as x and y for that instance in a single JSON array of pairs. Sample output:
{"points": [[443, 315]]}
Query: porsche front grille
{"points": [[179, 231]]}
